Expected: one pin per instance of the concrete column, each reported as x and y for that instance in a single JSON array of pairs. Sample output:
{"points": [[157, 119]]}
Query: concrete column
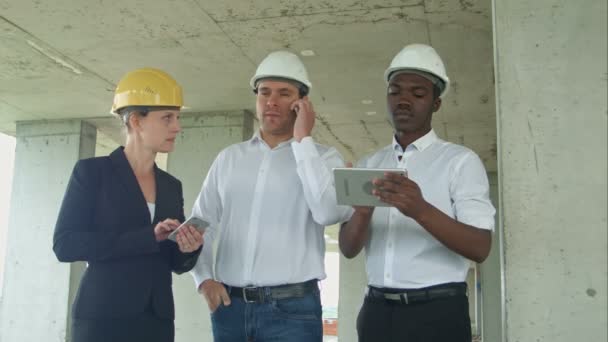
{"points": [[490, 277], [203, 136], [552, 115], [7, 152], [38, 289]]}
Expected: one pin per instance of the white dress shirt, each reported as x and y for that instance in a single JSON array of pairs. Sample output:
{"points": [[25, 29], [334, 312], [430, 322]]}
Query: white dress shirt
{"points": [[400, 252], [152, 209], [270, 208]]}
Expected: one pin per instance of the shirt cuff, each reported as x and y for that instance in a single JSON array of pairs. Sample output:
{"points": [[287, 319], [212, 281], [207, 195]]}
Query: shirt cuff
{"points": [[304, 149], [348, 214], [479, 223], [200, 276]]}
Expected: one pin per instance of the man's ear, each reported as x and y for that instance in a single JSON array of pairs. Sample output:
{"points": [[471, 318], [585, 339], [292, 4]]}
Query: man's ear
{"points": [[436, 104]]}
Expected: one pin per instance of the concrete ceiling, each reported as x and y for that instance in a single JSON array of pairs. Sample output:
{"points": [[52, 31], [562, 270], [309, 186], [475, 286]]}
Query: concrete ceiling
{"points": [[62, 59]]}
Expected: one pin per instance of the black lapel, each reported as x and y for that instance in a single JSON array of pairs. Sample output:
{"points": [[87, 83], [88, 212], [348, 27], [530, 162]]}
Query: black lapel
{"points": [[127, 178]]}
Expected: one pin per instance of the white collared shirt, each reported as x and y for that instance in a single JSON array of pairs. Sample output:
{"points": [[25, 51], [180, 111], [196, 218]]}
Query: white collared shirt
{"points": [[400, 252], [271, 206]]}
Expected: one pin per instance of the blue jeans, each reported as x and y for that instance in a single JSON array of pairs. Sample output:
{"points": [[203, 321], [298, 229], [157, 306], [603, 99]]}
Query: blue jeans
{"points": [[283, 320]]}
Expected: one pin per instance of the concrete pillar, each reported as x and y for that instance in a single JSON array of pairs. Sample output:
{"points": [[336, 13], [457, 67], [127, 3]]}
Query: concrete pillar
{"points": [[7, 153], [203, 136], [491, 277], [38, 289], [552, 115]]}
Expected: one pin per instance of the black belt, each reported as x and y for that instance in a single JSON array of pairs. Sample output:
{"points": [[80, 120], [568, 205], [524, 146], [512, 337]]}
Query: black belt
{"points": [[418, 295], [251, 294]]}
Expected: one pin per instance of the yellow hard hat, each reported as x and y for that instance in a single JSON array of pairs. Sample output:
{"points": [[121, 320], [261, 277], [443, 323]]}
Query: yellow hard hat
{"points": [[147, 87]]}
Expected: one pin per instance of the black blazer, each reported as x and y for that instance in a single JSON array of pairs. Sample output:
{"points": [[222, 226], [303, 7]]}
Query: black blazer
{"points": [[104, 220]]}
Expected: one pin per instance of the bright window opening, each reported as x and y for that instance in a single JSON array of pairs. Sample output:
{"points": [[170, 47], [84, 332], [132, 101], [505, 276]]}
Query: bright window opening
{"points": [[7, 160]]}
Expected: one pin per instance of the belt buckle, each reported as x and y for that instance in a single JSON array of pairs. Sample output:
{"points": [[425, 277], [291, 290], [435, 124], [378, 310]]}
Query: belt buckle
{"points": [[245, 294], [404, 299]]}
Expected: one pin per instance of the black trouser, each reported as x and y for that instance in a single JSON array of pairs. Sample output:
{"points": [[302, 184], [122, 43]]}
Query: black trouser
{"points": [[436, 320], [144, 328]]}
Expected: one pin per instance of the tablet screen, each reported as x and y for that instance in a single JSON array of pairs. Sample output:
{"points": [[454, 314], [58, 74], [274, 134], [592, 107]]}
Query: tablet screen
{"points": [[354, 186]]}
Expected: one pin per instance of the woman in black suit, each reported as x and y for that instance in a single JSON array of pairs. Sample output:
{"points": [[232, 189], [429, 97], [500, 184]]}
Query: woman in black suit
{"points": [[116, 215]]}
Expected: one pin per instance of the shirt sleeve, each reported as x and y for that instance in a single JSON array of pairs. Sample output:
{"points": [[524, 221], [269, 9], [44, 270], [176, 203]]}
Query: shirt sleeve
{"points": [[181, 262], [316, 174], [470, 192], [208, 206]]}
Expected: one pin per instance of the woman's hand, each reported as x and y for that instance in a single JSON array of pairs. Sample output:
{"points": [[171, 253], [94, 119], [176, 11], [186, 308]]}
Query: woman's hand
{"points": [[189, 239], [164, 228]]}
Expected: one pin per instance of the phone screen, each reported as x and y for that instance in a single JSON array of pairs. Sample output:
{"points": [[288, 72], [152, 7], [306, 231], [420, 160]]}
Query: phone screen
{"points": [[198, 223]]}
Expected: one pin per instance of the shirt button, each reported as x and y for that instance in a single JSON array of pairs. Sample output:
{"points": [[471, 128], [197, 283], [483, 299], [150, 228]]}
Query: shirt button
{"points": [[388, 275]]}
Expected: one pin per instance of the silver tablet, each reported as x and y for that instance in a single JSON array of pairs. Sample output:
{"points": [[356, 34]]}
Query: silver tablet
{"points": [[354, 185]]}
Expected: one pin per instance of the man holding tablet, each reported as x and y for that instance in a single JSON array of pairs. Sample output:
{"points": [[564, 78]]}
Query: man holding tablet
{"points": [[438, 216]]}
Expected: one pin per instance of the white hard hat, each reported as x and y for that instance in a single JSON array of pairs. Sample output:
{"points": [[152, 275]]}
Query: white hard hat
{"points": [[281, 64], [419, 57]]}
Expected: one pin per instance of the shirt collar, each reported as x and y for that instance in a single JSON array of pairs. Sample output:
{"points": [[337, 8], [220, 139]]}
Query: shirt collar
{"points": [[420, 144], [257, 138]]}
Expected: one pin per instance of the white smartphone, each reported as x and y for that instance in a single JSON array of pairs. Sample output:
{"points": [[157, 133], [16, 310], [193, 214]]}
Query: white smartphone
{"points": [[196, 222], [354, 185]]}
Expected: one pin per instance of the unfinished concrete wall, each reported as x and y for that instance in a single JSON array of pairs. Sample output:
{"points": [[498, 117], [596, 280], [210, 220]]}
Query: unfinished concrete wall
{"points": [[552, 115], [38, 290], [491, 277], [7, 154]]}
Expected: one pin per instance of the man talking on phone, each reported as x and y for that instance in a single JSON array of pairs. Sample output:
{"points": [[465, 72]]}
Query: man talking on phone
{"points": [[440, 216], [271, 197]]}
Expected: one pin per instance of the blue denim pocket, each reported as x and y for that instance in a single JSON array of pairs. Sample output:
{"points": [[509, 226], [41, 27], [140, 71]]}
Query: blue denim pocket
{"points": [[218, 308], [304, 308]]}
